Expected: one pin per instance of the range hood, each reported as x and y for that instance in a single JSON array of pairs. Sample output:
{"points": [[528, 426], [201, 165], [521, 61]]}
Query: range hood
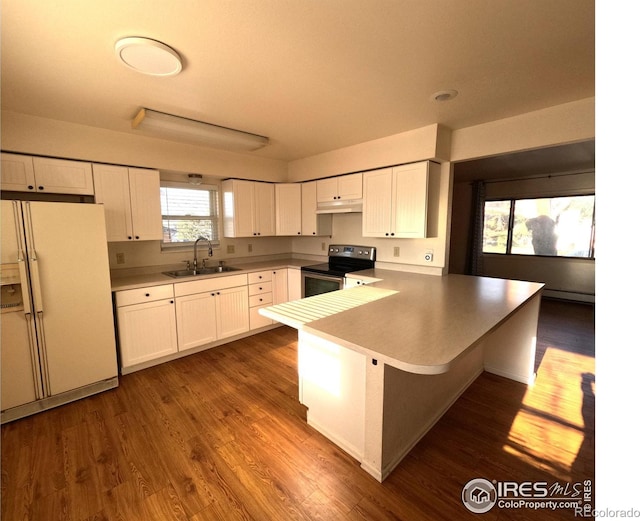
{"points": [[340, 206]]}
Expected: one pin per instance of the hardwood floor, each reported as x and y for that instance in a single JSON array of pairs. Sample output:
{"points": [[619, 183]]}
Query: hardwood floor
{"points": [[220, 435]]}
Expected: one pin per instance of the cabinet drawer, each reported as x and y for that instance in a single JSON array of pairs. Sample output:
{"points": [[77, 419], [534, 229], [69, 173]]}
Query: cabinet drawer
{"points": [[212, 284], [260, 300], [260, 276], [256, 320], [257, 289], [139, 295]]}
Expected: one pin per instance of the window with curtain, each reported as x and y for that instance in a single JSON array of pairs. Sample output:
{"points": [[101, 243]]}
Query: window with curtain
{"points": [[189, 213], [551, 226]]}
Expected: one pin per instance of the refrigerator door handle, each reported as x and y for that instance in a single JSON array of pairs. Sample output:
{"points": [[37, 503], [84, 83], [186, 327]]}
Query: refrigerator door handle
{"points": [[35, 283]]}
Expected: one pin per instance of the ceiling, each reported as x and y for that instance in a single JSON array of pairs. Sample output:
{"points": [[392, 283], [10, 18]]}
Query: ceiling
{"points": [[574, 157], [311, 75]]}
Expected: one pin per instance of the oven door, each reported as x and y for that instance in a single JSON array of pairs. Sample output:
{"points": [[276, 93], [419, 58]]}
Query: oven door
{"points": [[316, 283]]}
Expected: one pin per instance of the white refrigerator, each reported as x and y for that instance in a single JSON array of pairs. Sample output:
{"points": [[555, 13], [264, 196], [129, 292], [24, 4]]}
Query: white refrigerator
{"points": [[57, 329]]}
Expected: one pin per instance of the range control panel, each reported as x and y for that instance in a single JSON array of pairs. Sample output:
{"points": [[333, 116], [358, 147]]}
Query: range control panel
{"points": [[352, 252]]}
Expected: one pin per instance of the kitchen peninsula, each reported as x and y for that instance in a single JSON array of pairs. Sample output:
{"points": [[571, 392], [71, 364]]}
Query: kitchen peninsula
{"points": [[380, 363]]}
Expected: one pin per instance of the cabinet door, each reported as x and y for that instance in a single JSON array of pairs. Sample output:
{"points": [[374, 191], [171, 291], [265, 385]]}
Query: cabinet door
{"points": [[146, 214], [280, 286], [288, 209], [196, 320], [294, 284], [237, 198], [17, 173], [312, 223], [112, 189], [409, 205], [350, 186], [60, 176], [376, 204], [264, 209], [147, 331], [327, 190], [232, 311]]}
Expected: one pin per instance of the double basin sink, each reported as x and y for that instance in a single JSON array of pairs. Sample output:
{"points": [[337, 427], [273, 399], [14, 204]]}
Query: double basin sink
{"points": [[200, 271]]}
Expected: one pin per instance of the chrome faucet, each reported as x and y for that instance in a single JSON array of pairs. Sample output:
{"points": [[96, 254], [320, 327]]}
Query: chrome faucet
{"points": [[195, 251]]}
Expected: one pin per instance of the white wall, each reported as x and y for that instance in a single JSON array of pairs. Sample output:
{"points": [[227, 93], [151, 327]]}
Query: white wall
{"points": [[40, 136], [430, 142]]}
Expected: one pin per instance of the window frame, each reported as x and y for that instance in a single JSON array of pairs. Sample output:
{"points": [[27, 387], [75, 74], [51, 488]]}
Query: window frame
{"points": [[215, 216], [511, 223]]}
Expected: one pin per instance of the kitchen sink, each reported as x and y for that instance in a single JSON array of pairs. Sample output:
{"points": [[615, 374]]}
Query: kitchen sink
{"points": [[200, 271]]}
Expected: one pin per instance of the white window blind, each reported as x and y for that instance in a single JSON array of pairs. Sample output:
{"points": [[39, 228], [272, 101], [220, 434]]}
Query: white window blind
{"points": [[189, 213]]}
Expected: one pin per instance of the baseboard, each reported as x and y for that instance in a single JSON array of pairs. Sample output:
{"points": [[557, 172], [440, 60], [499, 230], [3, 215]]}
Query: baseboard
{"points": [[569, 295], [527, 380], [349, 448]]}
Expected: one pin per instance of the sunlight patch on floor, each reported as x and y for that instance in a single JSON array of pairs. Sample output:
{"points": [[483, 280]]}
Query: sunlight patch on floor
{"points": [[562, 401]]}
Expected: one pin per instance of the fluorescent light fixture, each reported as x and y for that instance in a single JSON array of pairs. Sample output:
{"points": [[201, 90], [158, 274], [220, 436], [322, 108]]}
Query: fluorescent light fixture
{"points": [[195, 132]]}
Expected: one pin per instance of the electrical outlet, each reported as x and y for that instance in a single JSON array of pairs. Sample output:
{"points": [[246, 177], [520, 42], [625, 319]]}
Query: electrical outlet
{"points": [[396, 251], [428, 256], [250, 247], [231, 248], [119, 258], [324, 246]]}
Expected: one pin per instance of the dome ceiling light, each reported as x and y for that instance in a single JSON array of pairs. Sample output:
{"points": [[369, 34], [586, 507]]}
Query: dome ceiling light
{"points": [[148, 56]]}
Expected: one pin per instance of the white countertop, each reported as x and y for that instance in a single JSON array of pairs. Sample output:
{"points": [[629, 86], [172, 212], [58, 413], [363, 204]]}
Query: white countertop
{"points": [[424, 324]]}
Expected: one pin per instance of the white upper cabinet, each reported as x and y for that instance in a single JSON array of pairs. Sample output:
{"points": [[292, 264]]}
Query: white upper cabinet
{"points": [[313, 223], [288, 209], [249, 208], [340, 187], [46, 175], [131, 198], [395, 201]]}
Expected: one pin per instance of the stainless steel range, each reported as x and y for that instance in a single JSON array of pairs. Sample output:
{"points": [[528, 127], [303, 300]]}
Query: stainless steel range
{"points": [[329, 276]]}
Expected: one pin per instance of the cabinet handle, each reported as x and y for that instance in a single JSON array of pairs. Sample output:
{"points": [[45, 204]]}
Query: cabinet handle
{"points": [[147, 294], [137, 237], [386, 234], [41, 188], [392, 234], [129, 237], [171, 302], [30, 187]]}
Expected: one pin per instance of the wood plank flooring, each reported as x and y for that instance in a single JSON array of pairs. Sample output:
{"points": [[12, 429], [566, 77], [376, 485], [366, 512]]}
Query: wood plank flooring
{"points": [[220, 435]]}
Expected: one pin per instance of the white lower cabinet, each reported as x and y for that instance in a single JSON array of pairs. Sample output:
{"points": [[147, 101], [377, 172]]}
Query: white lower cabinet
{"points": [[157, 321], [266, 288], [208, 310], [196, 320], [232, 312], [146, 330], [206, 317]]}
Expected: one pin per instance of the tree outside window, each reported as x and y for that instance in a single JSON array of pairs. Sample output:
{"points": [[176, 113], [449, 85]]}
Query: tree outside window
{"points": [[552, 226]]}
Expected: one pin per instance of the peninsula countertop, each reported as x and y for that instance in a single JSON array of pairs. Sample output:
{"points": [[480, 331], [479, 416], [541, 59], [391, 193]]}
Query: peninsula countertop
{"points": [[421, 323]]}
